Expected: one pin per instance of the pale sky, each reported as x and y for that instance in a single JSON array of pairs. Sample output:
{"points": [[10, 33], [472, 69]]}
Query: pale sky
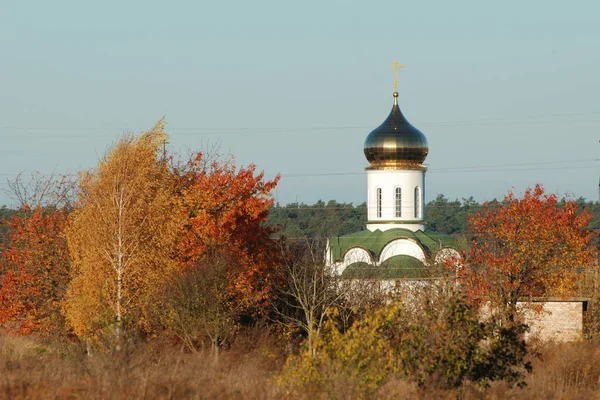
{"points": [[507, 93]]}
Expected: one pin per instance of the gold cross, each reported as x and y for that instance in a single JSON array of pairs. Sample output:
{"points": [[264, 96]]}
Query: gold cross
{"points": [[396, 66]]}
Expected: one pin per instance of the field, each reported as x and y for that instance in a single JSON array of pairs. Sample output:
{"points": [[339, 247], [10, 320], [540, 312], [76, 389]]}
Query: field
{"points": [[35, 369]]}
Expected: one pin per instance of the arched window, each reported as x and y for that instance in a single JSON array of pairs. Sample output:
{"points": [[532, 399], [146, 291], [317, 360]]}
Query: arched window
{"points": [[417, 202], [398, 202], [378, 202]]}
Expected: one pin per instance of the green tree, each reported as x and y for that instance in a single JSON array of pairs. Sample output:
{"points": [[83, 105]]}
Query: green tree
{"points": [[5, 216], [318, 221], [442, 215]]}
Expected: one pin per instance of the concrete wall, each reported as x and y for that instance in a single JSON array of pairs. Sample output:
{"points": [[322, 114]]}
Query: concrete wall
{"points": [[551, 319], [560, 321]]}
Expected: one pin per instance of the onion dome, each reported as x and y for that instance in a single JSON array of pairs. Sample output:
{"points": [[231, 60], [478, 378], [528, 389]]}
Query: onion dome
{"points": [[396, 143]]}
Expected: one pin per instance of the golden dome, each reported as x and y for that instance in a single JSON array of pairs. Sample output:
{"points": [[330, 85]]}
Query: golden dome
{"points": [[396, 144]]}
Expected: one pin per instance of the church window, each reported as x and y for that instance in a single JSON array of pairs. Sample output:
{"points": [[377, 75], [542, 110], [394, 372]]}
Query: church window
{"points": [[417, 202], [378, 202], [398, 202]]}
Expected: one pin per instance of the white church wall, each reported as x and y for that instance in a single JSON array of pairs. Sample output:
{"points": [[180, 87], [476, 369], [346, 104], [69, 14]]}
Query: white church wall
{"points": [[400, 247], [448, 254], [353, 255], [328, 255], [388, 180]]}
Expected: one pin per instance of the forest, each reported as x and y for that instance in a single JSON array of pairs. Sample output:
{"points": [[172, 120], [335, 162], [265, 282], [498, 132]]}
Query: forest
{"points": [[322, 220], [156, 276]]}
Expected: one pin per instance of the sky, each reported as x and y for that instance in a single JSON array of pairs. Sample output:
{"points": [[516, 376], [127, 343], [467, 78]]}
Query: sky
{"points": [[507, 93]]}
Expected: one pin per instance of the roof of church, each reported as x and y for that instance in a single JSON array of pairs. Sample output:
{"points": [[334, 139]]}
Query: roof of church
{"points": [[396, 143], [397, 267], [375, 241]]}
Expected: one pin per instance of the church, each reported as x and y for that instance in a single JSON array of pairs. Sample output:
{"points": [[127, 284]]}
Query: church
{"points": [[397, 246], [396, 243]]}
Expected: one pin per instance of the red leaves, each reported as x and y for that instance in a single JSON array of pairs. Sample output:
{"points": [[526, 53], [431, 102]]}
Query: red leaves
{"points": [[34, 271], [136, 222], [225, 210], [532, 246]]}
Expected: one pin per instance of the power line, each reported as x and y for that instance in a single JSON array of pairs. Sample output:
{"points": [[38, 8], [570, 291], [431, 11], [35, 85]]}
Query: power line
{"points": [[472, 168], [233, 130], [283, 175], [528, 163]]}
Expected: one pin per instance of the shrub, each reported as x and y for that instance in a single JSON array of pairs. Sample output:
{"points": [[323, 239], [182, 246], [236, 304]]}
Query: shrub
{"points": [[435, 341]]}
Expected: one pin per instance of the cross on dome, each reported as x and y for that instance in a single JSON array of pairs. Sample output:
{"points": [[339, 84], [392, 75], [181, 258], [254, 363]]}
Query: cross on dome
{"points": [[396, 66]]}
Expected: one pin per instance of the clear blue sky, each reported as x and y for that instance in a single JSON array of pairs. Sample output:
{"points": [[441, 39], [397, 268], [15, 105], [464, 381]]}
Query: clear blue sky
{"points": [[295, 87]]}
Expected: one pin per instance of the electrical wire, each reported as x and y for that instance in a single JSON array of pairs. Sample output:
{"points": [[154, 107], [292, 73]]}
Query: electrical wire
{"points": [[526, 120], [471, 168]]}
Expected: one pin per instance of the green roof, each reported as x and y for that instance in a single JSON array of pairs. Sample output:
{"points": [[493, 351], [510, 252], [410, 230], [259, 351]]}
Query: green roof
{"points": [[375, 241], [402, 266]]}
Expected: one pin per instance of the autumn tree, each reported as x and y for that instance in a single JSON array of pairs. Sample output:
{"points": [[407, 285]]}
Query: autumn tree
{"points": [[34, 271], [43, 190], [200, 310], [121, 239], [225, 209], [526, 247], [35, 267], [308, 290]]}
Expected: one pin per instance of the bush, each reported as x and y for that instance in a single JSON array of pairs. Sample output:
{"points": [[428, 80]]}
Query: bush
{"points": [[434, 341], [198, 309]]}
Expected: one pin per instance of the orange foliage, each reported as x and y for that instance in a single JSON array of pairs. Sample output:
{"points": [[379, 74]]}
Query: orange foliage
{"points": [[135, 225], [34, 272], [532, 246], [225, 211], [121, 239]]}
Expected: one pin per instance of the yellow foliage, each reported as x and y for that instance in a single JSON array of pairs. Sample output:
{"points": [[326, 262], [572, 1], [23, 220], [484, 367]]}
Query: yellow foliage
{"points": [[440, 344], [361, 357], [121, 238]]}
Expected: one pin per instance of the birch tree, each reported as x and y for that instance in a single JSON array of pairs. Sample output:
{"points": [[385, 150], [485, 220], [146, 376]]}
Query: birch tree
{"points": [[121, 239]]}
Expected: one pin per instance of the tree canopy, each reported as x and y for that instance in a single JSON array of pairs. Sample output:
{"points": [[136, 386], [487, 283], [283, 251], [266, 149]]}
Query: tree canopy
{"points": [[34, 271], [121, 238], [527, 247]]}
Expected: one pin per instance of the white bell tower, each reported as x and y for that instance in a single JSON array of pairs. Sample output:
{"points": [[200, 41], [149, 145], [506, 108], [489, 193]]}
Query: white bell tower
{"points": [[396, 151]]}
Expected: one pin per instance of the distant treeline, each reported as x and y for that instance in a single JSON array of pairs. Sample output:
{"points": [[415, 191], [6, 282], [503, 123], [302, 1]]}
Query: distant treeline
{"points": [[5, 214], [322, 220]]}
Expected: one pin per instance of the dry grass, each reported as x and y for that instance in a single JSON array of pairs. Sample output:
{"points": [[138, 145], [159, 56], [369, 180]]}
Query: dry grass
{"points": [[30, 369], [566, 371]]}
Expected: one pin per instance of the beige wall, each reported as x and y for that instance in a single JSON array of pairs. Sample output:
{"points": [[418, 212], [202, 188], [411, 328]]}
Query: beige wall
{"points": [[556, 320], [560, 321]]}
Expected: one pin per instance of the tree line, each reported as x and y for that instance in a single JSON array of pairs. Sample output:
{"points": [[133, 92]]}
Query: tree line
{"points": [[322, 220]]}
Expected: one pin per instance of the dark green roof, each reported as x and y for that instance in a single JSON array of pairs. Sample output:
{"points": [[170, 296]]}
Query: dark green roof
{"points": [[397, 267], [375, 241]]}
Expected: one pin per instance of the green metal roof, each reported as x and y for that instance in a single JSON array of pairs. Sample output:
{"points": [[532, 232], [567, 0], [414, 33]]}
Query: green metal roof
{"points": [[375, 241], [397, 267]]}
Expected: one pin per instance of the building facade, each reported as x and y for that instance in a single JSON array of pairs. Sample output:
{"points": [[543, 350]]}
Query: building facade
{"points": [[396, 242], [397, 247]]}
